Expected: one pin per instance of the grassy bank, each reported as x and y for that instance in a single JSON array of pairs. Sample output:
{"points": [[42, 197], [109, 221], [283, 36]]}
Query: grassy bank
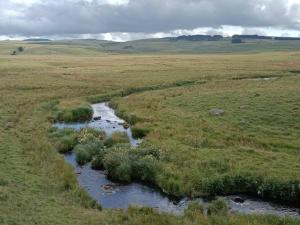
{"points": [[38, 187], [243, 151]]}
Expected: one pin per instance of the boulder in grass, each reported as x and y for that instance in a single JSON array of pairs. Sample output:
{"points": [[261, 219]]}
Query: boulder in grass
{"points": [[216, 112]]}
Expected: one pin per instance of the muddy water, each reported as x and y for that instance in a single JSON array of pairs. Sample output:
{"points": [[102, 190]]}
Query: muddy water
{"points": [[112, 195]]}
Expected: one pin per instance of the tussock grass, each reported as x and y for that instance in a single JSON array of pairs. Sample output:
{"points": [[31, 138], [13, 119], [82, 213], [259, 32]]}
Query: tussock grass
{"points": [[64, 140], [79, 114], [125, 164], [119, 138], [85, 152], [218, 207], [139, 133]]}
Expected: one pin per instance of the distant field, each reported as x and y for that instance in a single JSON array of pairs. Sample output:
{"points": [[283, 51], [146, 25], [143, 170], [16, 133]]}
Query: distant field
{"points": [[258, 136], [150, 46], [201, 47]]}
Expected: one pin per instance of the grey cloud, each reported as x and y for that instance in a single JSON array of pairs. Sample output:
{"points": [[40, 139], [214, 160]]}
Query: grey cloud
{"points": [[142, 16]]}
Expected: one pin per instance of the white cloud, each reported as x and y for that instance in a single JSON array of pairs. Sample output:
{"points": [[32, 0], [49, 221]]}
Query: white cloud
{"points": [[116, 2], [24, 2], [130, 19]]}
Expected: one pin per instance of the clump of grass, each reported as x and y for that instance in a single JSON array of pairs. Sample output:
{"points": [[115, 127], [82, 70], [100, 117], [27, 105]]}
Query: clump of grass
{"points": [[64, 140], [68, 181], [116, 138], [86, 151], [50, 106], [108, 142], [97, 162], [120, 137], [139, 133], [66, 144], [83, 156], [118, 166], [145, 168], [279, 190], [83, 113], [125, 164], [90, 134], [194, 210], [218, 207], [130, 118], [3, 182], [79, 114], [266, 188]]}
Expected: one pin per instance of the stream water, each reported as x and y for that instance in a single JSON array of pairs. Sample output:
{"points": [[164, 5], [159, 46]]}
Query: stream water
{"points": [[113, 195]]}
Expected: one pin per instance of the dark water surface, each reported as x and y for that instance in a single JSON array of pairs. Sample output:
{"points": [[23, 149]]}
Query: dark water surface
{"points": [[112, 195], [120, 196]]}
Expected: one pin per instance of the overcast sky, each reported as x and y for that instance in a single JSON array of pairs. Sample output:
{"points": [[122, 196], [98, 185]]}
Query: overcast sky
{"points": [[133, 19]]}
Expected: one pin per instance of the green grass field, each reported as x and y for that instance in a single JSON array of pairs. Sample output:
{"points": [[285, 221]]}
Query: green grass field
{"points": [[257, 138]]}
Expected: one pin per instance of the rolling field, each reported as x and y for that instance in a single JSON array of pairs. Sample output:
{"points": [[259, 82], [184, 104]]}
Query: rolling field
{"points": [[255, 138], [170, 96], [91, 47]]}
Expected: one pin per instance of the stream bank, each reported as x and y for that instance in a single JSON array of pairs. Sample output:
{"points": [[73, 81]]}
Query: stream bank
{"points": [[117, 196]]}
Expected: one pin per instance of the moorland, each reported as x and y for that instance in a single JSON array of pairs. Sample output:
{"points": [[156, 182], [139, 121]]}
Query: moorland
{"points": [[166, 90]]}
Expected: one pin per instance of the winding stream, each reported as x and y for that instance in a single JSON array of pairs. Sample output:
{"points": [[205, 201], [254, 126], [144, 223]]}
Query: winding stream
{"points": [[113, 195]]}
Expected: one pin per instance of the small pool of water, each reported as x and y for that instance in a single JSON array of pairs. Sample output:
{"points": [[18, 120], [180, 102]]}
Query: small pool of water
{"points": [[116, 196], [257, 78], [263, 78]]}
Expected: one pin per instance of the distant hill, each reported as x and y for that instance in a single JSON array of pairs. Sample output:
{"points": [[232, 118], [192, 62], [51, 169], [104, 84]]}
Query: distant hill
{"points": [[287, 38], [202, 44], [37, 39], [198, 38], [220, 38], [186, 44], [258, 37]]}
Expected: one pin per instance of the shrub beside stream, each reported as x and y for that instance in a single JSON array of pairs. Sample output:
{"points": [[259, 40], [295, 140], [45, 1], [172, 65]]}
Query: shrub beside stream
{"points": [[79, 114], [125, 164], [122, 162], [64, 140]]}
